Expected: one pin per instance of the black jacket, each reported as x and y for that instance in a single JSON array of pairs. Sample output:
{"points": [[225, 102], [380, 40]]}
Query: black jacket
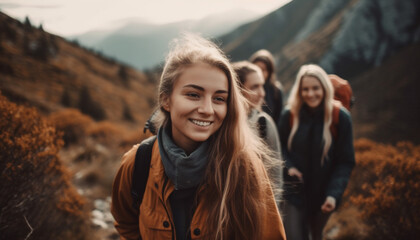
{"points": [[320, 181], [273, 101]]}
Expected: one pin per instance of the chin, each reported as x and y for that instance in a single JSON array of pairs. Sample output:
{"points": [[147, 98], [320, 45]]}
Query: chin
{"points": [[201, 138]]}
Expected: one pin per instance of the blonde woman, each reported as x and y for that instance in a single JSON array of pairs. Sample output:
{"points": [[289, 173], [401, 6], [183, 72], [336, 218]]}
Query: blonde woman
{"points": [[206, 177], [317, 144], [252, 86]]}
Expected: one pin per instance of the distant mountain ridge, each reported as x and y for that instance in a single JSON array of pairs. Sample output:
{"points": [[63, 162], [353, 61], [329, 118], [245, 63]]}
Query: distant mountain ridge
{"points": [[144, 45]]}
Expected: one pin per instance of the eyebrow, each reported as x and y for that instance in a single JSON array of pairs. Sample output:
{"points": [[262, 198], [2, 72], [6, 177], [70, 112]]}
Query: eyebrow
{"points": [[202, 89]]}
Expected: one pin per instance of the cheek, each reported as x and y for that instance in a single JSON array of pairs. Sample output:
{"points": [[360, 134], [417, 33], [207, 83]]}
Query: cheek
{"points": [[265, 74], [321, 93], [221, 112], [253, 94]]}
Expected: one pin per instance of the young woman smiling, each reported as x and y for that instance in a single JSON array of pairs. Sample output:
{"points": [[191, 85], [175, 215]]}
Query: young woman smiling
{"points": [[206, 177], [318, 153]]}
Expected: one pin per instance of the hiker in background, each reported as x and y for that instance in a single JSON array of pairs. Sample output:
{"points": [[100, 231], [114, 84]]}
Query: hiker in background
{"points": [[317, 145], [252, 87], [206, 177], [273, 94]]}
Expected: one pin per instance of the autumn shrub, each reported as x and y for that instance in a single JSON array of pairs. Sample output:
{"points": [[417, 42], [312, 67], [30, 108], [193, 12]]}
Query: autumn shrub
{"points": [[346, 224], [385, 186], [37, 199], [127, 115], [106, 133], [133, 138], [72, 123]]}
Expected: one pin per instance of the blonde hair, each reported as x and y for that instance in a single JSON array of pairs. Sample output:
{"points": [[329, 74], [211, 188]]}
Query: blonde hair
{"points": [[233, 194], [295, 103]]}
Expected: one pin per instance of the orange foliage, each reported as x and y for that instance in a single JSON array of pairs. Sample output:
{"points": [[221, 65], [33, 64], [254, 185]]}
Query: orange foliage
{"points": [[385, 186], [35, 188], [106, 133], [134, 138], [72, 123]]}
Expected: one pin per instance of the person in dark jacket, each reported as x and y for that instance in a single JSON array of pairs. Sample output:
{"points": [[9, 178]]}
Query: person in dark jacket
{"points": [[273, 94], [318, 153]]}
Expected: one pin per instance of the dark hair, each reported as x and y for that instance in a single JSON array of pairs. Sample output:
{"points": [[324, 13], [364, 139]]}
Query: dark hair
{"points": [[267, 58], [243, 68]]}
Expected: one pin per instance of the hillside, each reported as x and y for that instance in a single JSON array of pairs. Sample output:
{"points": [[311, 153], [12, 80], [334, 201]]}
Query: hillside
{"points": [[50, 73], [388, 102], [271, 32], [95, 104], [353, 39]]}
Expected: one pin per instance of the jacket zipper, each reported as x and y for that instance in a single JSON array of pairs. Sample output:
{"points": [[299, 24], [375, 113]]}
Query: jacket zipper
{"points": [[164, 206]]}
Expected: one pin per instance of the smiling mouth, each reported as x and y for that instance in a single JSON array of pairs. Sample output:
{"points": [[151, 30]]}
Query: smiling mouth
{"points": [[201, 123]]}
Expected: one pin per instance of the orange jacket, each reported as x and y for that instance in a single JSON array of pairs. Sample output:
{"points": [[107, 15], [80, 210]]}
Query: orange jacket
{"points": [[155, 220]]}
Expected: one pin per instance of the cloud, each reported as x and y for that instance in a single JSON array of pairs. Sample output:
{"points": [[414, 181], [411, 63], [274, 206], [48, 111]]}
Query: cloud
{"points": [[9, 5]]}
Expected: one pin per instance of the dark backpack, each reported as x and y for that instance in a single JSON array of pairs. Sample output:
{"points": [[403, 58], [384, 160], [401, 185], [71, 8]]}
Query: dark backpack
{"points": [[262, 127], [142, 163], [141, 170]]}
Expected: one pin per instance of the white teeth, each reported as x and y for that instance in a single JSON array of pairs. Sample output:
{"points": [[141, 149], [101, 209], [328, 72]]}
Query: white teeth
{"points": [[201, 123]]}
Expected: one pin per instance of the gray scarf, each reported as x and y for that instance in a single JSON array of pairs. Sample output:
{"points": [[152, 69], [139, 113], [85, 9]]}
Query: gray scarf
{"points": [[184, 171]]}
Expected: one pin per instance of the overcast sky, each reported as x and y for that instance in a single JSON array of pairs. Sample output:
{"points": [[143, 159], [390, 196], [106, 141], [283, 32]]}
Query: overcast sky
{"points": [[70, 17]]}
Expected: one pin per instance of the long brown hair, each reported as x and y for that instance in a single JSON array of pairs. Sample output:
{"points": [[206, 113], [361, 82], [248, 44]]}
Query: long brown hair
{"points": [[232, 194]]}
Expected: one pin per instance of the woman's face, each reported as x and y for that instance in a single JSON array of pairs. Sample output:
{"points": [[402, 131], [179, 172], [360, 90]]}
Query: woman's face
{"points": [[263, 69], [254, 84], [197, 105], [311, 91]]}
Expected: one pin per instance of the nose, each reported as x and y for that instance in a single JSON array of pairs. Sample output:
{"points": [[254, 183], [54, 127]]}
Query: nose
{"points": [[310, 93], [206, 106]]}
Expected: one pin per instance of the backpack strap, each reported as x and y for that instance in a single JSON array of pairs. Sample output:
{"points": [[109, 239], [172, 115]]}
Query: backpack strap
{"points": [[262, 127], [335, 119], [141, 170]]}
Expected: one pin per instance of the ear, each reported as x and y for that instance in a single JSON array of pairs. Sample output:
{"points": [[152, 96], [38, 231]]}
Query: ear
{"points": [[165, 104]]}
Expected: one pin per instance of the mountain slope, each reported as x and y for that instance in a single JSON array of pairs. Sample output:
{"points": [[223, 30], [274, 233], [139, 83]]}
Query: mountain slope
{"points": [[387, 98], [46, 71], [354, 39], [271, 32]]}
